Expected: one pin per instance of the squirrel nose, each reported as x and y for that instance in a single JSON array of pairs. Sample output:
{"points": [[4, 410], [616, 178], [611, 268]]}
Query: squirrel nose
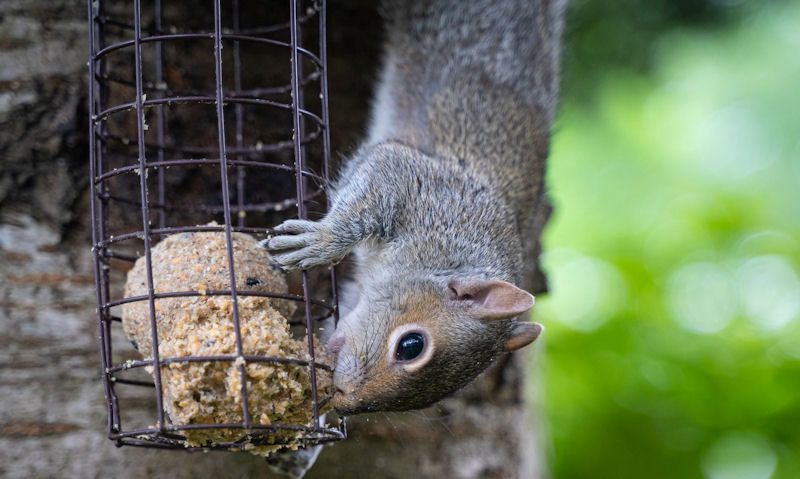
{"points": [[344, 401], [342, 387]]}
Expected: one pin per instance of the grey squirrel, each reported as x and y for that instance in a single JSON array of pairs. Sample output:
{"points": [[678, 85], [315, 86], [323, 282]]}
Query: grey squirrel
{"points": [[442, 203]]}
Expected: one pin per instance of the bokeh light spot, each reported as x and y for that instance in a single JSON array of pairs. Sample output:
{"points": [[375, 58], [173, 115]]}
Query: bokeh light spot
{"points": [[701, 297], [586, 292], [740, 456], [770, 291]]}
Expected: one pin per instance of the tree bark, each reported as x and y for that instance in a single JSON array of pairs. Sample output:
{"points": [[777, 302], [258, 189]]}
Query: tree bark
{"points": [[53, 419]]}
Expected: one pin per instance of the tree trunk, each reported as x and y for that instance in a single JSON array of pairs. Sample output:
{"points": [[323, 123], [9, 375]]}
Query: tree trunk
{"points": [[53, 419]]}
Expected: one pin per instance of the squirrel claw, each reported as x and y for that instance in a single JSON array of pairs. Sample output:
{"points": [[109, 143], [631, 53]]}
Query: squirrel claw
{"points": [[311, 245], [289, 242], [297, 226], [301, 259]]}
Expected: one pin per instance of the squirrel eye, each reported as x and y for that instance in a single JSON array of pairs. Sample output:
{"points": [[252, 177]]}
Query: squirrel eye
{"points": [[410, 346]]}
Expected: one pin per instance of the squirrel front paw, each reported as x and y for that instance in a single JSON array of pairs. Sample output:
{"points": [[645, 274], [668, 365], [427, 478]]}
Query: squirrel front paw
{"points": [[310, 243]]}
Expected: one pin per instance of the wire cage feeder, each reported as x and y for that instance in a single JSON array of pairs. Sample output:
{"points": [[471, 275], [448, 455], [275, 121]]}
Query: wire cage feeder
{"points": [[204, 112]]}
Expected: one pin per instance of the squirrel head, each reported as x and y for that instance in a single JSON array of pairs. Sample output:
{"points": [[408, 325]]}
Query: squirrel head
{"points": [[410, 346]]}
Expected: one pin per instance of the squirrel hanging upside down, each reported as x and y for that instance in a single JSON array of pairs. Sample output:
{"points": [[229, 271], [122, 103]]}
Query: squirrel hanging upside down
{"points": [[443, 204]]}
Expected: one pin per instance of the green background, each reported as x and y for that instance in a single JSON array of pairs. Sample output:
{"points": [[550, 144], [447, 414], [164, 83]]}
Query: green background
{"points": [[672, 343]]}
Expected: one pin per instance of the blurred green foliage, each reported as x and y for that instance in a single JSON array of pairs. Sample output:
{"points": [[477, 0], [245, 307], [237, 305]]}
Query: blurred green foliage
{"points": [[602, 35], [673, 320]]}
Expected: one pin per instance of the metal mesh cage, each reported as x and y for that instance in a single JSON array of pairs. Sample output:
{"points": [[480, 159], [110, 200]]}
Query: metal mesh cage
{"points": [[199, 112]]}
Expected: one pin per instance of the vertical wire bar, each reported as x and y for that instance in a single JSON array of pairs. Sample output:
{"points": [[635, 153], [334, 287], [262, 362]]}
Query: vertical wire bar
{"points": [[323, 56], [160, 120], [226, 205], [137, 23], [326, 153], [101, 150], [301, 207], [103, 205], [326, 134], [105, 294], [237, 82], [97, 252], [301, 104]]}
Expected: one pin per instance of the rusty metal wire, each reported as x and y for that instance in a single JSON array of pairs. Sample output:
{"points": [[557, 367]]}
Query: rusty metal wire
{"points": [[152, 147]]}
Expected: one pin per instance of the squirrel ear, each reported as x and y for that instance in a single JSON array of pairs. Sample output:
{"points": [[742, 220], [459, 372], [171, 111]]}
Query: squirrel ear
{"points": [[522, 335], [491, 299]]}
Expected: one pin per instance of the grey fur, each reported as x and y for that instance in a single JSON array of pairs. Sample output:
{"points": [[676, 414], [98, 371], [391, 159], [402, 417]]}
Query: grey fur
{"points": [[448, 185]]}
